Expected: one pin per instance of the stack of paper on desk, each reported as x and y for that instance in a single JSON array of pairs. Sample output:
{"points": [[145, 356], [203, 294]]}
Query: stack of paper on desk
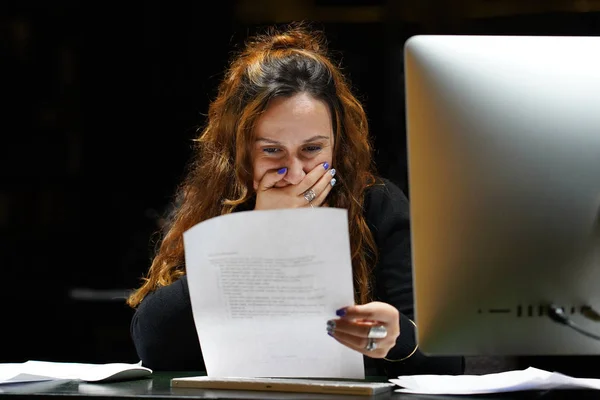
{"points": [[36, 371], [511, 381], [263, 285]]}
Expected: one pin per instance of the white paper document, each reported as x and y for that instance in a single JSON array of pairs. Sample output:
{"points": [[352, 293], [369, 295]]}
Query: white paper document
{"points": [[510, 381], [263, 285], [37, 371]]}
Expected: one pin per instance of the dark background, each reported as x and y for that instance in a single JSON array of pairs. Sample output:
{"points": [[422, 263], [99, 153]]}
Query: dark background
{"points": [[101, 101]]}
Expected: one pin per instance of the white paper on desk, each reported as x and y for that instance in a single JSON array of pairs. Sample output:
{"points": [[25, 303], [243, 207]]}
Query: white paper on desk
{"points": [[263, 285], [36, 371], [510, 381]]}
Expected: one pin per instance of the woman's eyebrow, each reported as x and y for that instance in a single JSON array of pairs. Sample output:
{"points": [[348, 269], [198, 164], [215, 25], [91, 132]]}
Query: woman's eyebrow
{"points": [[316, 137], [264, 139], [311, 139]]}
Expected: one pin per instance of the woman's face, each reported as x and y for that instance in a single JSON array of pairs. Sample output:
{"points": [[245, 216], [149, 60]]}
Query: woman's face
{"points": [[295, 133]]}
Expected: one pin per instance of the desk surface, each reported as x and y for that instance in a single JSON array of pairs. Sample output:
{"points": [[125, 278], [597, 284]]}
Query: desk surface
{"points": [[158, 387]]}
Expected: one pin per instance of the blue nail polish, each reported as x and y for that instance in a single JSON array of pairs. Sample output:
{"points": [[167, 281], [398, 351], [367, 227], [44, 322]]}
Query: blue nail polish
{"points": [[330, 334], [341, 312], [332, 172], [326, 165], [282, 171], [332, 182]]}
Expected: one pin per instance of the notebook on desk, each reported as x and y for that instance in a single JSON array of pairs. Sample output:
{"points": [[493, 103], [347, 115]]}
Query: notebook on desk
{"points": [[285, 385]]}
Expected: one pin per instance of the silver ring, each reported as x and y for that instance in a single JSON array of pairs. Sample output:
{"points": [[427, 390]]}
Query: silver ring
{"points": [[310, 195], [371, 345], [377, 332]]}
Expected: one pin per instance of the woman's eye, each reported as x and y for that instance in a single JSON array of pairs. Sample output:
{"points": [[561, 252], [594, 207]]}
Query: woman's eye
{"points": [[312, 149], [271, 150]]}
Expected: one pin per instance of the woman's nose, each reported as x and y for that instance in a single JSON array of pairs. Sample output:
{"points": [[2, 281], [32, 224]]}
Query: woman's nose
{"points": [[295, 172]]}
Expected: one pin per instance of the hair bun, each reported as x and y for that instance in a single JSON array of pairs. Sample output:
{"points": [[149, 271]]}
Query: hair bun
{"points": [[293, 36], [298, 38]]}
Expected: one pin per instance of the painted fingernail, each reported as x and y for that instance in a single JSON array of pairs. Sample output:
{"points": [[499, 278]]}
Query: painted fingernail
{"points": [[282, 171], [333, 181], [332, 172], [330, 326], [326, 165], [330, 334], [341, 312]]}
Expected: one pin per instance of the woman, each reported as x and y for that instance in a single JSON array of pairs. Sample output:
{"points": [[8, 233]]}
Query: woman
{"points": [[285, 131]]}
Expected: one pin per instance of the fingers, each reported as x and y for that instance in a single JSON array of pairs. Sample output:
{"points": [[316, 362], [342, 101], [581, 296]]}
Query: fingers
{"points": [[319, 180], [323, 187], [374, 311], [311, 178], [360, 344], [354, 328], [271, 178], [354, 325], [364, 330]]}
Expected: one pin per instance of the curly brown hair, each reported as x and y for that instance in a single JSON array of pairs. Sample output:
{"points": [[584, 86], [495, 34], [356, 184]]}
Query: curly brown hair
{"points": [[280, 62]]}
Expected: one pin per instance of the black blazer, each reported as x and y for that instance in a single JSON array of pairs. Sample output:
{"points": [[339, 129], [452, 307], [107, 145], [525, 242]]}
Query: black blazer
{"points": [[165, 337]]}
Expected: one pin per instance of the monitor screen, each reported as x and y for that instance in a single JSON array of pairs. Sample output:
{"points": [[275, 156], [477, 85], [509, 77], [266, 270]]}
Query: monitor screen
{"points": [[503, 139]]}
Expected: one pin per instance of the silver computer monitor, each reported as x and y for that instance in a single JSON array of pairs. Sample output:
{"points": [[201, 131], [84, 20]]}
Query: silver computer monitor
{"points": [[503, 138]]}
